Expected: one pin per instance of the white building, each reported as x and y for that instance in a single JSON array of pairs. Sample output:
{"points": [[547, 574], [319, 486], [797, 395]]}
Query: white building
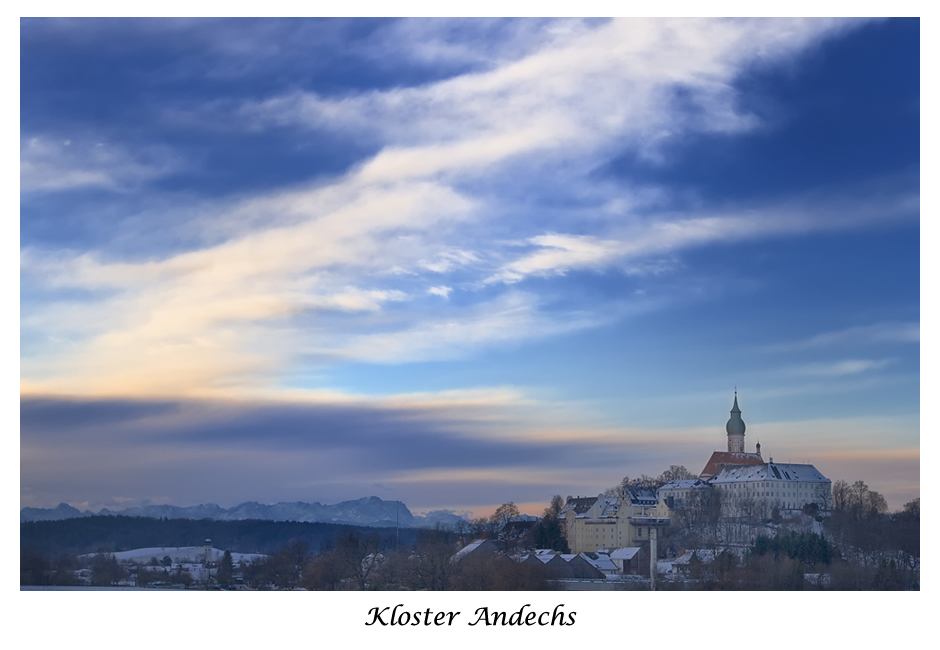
{"points": [[756, 490], [679, 494]]}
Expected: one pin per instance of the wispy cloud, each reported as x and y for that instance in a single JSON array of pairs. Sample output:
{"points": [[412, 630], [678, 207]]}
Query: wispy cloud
{"points": [[661, 234], [461, 44], [48, 164], [466, 449], [581, 88], [513, 316], [372, 193], [876, 333], [838, 368], [316, 271]]}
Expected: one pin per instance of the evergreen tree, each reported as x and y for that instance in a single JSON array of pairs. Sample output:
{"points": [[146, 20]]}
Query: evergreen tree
{"points": [[226, 571]]}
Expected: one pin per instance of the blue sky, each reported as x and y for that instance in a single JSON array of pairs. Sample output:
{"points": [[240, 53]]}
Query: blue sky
{"points": [[462, 262]]}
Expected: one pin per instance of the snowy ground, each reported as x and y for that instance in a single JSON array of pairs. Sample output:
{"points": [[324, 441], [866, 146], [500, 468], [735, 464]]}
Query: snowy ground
{"points": [[77, 588], [179, 554]]}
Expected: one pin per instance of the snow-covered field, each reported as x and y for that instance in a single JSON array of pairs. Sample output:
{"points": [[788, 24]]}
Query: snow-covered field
{"points": [[76, 588], [179, 554]]}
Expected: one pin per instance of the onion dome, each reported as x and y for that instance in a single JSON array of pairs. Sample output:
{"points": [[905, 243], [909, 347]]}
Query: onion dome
{"points": [[735, 426]]}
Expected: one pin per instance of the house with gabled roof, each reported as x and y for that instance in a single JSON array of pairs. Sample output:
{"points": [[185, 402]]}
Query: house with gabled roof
{"points": [[476, 548], [593, 523], [687, 563], [632, 560], [579, 568], [602, 562], [553, 564]]}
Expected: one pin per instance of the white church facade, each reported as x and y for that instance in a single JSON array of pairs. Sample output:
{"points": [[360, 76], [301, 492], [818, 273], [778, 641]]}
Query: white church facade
{"points": [[758, 490]]}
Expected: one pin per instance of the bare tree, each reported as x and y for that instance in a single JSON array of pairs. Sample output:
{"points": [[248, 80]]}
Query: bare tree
{"points": [[324, 572], [857, 499], [503, 515], [435, 565], [840, 495], [874, 503], [642, 481], [703, 513], [674, 473], [359, 555], [479, 526], [105, 570], [549, 531], [554, 508]]}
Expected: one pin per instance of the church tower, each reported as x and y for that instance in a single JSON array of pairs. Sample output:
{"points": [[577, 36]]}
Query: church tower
{"points": [[735, 454], [735, 428]]}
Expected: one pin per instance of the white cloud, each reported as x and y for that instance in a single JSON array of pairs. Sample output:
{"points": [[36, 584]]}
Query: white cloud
{"points": [[449, 259], [860, 335], [194, 318], [838, 368], [581, 90], [656, 235], [48, 164], [443, 292], [511, 317], [563, 99], [561, 253]]}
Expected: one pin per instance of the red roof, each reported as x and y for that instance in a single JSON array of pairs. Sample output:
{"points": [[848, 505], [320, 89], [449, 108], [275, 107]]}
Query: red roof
{"points": [[721, 459]]}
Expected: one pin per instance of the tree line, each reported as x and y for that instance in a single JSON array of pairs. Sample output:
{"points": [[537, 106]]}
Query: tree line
{"points": [[367, 562], [114, 533]]}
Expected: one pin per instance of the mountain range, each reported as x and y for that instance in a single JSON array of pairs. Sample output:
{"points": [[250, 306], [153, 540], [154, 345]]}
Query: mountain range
{"points": [[368, 511]]}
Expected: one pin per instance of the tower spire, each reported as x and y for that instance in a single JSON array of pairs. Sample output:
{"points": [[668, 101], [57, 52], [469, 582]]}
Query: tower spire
{"points": [[735, 427]]}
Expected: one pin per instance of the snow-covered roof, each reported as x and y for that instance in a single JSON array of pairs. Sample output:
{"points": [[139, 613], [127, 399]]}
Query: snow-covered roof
{"points": [[544, 559], [469, 548], [600, 561], [607, 506], [770, 472], [721, 459], [684, 484], [641, 494], [482, 544], [627, 553], [578, 505]]}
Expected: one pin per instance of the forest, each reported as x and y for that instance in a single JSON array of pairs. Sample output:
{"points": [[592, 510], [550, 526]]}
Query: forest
{"points": [[114, 533]]}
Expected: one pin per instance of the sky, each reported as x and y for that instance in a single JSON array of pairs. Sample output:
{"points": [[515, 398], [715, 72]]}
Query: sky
{"points": [[462, 262]]}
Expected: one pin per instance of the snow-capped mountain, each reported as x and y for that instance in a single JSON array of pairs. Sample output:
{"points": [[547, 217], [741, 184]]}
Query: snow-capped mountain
{"points": [[368, 511]]}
